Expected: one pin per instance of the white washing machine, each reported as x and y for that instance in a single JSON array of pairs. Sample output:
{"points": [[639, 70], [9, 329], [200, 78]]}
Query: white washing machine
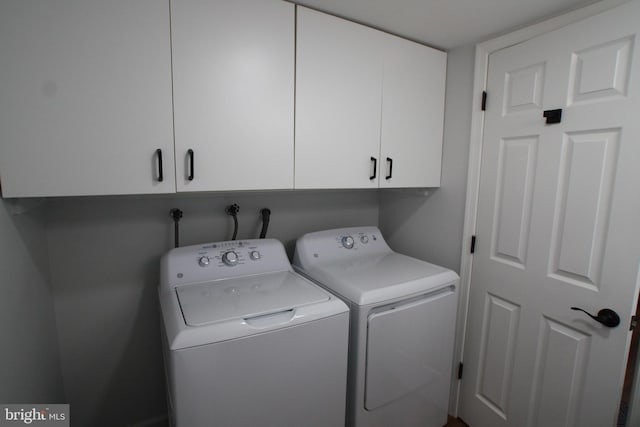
{"points": [[249, 342], [403, 314]]}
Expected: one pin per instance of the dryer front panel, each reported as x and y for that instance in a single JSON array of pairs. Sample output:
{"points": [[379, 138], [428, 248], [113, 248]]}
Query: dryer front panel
{"points": [[409, 347]]}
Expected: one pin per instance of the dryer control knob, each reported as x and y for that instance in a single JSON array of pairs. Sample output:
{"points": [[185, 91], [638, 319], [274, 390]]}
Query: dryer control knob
{"points": [[254, 255], [230, 258], [203, 261], [347, 242], [364, 239]]}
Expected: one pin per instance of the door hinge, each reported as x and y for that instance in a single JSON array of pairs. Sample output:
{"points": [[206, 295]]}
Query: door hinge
{"points": [[634, 323], [473, 244], [460, 368], [483, 107]]}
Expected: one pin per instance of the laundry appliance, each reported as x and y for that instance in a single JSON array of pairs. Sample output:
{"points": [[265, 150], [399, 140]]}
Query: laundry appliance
{"points": [[403, 314], [249, 342]]}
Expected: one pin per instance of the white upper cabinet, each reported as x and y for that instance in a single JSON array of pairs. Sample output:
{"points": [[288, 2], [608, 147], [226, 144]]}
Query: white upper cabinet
{"points": [[157, 96], [85, 97], [338, 95], [369, 107], [412, 114], [233, 77]]}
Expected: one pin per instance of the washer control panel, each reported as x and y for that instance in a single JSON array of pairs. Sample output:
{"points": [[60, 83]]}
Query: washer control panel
{"points": [[229, 254], [219, 260], [230, 258]]}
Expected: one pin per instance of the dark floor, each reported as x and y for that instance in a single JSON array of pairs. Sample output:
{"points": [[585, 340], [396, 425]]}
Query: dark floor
{"points": [[455, 422]]}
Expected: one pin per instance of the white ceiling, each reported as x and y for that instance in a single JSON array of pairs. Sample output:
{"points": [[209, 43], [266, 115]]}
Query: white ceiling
{"points": [[446, 24]]}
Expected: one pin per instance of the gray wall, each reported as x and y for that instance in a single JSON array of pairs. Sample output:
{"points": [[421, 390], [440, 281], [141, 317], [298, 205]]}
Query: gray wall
{"points": [[104, 265], [29, 359], [430, 228]]}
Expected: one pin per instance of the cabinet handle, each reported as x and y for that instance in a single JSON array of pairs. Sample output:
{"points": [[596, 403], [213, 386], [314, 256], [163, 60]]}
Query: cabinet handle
{"points": [[160, 168], [375, 167], [390, 163], [191, 165]]}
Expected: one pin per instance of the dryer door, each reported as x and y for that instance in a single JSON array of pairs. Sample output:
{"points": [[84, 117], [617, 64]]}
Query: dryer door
{"points": [[409, 350]]}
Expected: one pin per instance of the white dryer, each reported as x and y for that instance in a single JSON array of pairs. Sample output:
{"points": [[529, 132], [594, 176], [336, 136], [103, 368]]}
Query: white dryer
{"points": [[249, 342], [403, 314]]}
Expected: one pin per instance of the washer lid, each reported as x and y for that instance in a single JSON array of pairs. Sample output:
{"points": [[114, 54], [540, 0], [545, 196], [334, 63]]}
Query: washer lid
{"points": [[246, 297], [377, 278]]}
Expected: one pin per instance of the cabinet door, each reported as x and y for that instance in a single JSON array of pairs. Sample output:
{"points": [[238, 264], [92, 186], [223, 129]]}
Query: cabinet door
{"points": [[86, 97], [412, 114], [233, 68], [338, 99]]}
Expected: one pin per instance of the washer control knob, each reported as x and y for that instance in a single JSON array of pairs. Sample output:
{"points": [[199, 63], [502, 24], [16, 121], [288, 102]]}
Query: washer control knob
{"points": [[347, 242], [230, 258], [203, 261], [254, 255], [364, 239]]}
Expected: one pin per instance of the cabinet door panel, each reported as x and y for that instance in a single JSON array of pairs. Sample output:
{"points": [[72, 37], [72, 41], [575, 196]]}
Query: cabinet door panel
{"points": [[86, 97], [338, 94], [233, 67], [412, 114]]}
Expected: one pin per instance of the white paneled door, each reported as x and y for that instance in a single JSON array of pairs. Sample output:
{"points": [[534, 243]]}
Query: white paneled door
{"points": [[558, 226]]}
